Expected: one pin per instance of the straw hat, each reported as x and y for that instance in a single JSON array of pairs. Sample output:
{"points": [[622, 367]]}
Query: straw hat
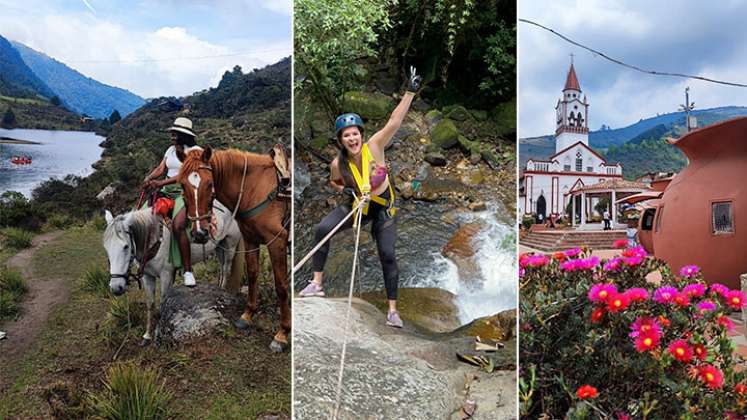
{"points": [[183, 125]]}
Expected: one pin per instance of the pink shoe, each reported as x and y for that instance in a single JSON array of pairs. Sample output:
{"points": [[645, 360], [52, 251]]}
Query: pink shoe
{"points": [[313, 289]]}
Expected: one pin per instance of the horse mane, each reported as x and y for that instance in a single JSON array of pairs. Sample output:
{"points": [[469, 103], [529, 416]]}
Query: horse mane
{"points": [[140, 221], [222, 160]]}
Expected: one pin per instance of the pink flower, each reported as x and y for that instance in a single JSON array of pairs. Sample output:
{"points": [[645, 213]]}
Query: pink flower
{"points": [[725, 322], [646, 342], [735, 299], [705, 306], [600, 292], [689, 271], [537, 260], [521, 271], [633, 261], [694, 290], [665, 294], [711, 376], [613, 264], [645, 325], [573, 252], [589, 263], [569, 266], [681, 299], [637, 251], [620, 244], [637, 294], [719, 289]]}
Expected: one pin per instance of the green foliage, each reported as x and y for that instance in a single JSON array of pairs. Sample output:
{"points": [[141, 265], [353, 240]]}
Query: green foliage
{"points": [[132, 392], [9, 119], [602, 205], [568, 341], [17, 211], [12, 289], [649, 155], [96, 281], [331, 36], [59, 221], [114, 117], [17, 238]]}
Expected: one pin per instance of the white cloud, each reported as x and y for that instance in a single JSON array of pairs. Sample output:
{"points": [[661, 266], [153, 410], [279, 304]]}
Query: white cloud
{"points": [[143, 61]]}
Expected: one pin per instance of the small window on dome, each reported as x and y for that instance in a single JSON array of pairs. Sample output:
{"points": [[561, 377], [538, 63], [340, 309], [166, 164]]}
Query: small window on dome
{"points": [[660, 214], [722, 220]]}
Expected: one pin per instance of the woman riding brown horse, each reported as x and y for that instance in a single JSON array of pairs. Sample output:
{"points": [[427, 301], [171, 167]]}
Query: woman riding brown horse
{"points": [[246, 183]]}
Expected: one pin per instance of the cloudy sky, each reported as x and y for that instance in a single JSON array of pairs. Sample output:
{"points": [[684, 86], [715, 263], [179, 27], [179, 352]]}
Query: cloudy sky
{"points": [[692, 37], [153, 48]]}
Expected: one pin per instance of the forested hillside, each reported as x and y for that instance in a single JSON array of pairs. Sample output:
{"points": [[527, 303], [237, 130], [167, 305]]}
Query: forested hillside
{"points": [[16, 78]]}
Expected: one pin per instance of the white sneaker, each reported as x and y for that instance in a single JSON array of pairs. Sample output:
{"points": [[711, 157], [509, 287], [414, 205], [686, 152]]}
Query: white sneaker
{"points": [[189, 279]]}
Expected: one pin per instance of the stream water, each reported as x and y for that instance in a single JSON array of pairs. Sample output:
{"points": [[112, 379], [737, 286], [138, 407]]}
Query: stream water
{"points": [[59, 153]]}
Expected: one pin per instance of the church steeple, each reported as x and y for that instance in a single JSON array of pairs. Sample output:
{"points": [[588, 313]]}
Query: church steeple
{"points": [[572, 113]]}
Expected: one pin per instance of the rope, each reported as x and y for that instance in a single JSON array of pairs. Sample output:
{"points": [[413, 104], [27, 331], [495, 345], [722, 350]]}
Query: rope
{"points": [[329, 235], [347, 313], [241, 191]]}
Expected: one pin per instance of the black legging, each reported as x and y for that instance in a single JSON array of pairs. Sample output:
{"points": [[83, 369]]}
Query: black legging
{"points": [[384, 231]]}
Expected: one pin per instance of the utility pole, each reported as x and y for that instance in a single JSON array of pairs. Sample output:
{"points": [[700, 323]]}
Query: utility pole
{"points": [[687, 107]]}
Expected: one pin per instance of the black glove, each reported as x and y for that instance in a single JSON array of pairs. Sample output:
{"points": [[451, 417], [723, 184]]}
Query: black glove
{"points": [[349, 191], [414, 79]]}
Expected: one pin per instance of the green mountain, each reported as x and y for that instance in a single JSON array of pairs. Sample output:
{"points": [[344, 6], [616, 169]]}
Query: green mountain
{"points": [[246, 111], [79, 93], [16, 78], [640, 147]]}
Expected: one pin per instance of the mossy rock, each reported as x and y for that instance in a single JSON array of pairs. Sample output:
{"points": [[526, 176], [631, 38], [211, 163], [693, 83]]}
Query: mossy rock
{"points": [[433, 117], [458, 113], [469, 145], [505, 116], [445, 134], [429, 308], [501, 326], [373, 106], [479, 115], [490, 157]]}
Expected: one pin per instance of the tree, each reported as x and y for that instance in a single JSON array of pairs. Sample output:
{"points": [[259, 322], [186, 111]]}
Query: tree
{"points": [[114, 117], [330, 37], [9, 119], [55, 100]]}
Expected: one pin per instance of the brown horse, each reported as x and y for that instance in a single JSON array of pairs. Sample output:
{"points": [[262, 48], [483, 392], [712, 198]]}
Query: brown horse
{"points": [[247, 184]]}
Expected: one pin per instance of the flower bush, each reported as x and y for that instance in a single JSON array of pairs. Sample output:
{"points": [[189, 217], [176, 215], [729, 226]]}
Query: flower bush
{"points": [[600, 341]]}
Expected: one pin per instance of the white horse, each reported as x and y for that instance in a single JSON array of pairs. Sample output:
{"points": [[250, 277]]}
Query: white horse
{"points": [[125, 241]]}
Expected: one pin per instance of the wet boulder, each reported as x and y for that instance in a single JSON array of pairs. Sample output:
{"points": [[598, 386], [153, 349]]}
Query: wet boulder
{"points": [[429, 308], [190, 313], [432, 118], [461, 249], [457, 113]]}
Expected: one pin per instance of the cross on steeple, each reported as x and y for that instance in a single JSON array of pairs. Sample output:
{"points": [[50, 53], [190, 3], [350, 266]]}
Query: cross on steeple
{"points": [[571, 54]]}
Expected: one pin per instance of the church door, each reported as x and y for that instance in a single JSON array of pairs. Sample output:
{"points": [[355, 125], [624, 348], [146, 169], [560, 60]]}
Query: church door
{"points": [[541, 207]]}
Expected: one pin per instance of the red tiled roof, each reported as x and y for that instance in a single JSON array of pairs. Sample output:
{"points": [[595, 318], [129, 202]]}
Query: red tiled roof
{"points": [[571, 82]]}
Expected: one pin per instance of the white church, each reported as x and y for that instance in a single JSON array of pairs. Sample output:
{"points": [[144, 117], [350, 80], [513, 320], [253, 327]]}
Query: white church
{"points": [[546, 183]]}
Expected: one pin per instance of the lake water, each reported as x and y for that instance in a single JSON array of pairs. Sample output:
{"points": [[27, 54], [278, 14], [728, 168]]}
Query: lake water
{"points": [[60, 153]]}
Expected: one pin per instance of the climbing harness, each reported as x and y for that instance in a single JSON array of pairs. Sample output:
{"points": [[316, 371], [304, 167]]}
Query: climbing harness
{"points": [[362, 181]]}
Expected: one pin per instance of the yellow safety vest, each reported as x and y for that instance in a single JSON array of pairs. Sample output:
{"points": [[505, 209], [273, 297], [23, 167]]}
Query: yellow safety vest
{"points": [[363, 183]]}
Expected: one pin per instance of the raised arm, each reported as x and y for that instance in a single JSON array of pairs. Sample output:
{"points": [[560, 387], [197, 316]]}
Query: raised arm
{"points": [[381, 139]]}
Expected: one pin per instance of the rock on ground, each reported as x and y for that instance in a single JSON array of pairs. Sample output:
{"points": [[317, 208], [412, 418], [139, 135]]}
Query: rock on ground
{"points": [[389, 373], [188, 313]]}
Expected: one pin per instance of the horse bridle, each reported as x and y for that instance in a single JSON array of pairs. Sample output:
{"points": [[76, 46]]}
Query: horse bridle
{"points": [[209, 213], [127, 275]]}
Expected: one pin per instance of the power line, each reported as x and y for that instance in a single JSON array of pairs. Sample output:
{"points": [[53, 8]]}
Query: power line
{"points": [[153, 60], [630, 66]]}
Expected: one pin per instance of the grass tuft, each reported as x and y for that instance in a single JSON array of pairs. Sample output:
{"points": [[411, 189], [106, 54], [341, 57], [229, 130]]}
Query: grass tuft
{"points": [[132, 392], [18, 238], [96, 281], [125, 316], [12, 289]]}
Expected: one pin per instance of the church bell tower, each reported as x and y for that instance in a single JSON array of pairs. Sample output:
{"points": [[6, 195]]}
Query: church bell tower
{"points": [[572, 114]]}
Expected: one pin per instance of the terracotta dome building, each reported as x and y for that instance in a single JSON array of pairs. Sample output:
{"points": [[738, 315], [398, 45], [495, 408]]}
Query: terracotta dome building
{"points": [[701, 217]]}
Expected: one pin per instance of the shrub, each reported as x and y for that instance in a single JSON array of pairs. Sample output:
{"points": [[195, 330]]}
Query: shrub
{"points": [[597, 330], [12, 289], [18, 211], [132, 392], [96, 281], [527, 221], [17, 238], [59, 221]]}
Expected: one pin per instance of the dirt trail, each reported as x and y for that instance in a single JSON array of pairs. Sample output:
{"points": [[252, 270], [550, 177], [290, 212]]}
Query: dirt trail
{"points": [[42, 296]]}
